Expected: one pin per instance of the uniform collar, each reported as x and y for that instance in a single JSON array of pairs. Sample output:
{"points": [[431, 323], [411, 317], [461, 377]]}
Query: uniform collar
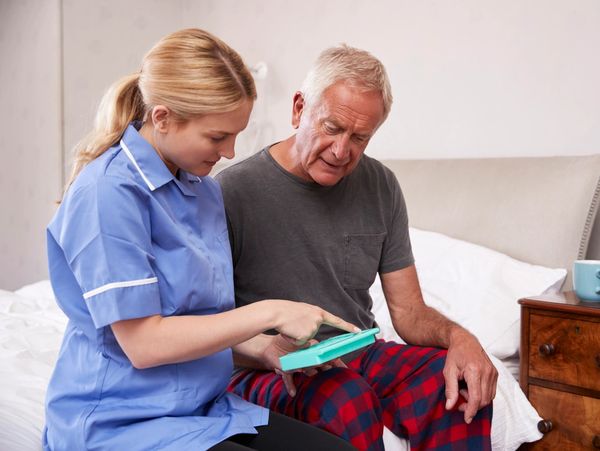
{"points": [[144, 157], [149, 165]]}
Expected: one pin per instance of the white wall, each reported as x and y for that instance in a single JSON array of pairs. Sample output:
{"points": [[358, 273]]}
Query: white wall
{"points": [[471, 78], [103, 41], [30, 174]]}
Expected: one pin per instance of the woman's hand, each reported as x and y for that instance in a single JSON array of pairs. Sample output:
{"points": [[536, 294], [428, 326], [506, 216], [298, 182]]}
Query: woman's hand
{"points": [[280, 345], [300, 321], [157, 340]]}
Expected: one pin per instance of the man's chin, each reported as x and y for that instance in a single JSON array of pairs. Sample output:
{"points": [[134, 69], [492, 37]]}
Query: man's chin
{"points": [[326, 179]]}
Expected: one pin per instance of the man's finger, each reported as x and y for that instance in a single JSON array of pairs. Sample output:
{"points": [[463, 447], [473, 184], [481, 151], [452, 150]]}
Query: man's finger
{"points": [[339, 363], [487, 393], [310, 372], [494, 386], [288, 382], [489, 382], [473, 380], [451, 389], [491, 386]]}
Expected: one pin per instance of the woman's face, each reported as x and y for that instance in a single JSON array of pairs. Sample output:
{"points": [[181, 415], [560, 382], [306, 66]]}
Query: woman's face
{"points": [[198, 144]]}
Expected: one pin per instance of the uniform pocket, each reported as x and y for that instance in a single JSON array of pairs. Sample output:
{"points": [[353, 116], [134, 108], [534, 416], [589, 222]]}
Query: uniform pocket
{"points": [[361, 259]]}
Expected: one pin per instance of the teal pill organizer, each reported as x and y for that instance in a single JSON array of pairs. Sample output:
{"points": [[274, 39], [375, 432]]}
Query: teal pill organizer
{"points": [[327, 350]]}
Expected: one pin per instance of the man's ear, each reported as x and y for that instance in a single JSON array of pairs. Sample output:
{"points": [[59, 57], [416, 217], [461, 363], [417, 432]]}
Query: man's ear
{"points": [[297, 109], [160, 118]]}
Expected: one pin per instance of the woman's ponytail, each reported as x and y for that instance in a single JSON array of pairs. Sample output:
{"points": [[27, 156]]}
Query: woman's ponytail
{"points": [[121, 105]]}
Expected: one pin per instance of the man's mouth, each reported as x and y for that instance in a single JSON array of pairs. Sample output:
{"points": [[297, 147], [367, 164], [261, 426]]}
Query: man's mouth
{"points": [[334, 166]]}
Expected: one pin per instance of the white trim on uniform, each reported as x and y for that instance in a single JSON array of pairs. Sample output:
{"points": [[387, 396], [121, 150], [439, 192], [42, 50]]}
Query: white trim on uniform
{"points": [[110, 286], [130, 155]]}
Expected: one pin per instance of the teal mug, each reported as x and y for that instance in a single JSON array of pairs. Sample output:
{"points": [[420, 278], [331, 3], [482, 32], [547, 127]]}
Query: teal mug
{"points": [[586, 279]]}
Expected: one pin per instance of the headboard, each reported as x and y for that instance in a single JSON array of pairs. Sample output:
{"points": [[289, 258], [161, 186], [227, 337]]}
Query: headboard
{"points": [[539, 210]]}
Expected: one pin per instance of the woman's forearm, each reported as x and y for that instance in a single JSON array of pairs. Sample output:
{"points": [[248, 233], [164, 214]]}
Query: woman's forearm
{"points": [[158, 340]]}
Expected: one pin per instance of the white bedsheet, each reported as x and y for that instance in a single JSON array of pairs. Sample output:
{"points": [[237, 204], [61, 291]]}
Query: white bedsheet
{"points": [[31, 327]]}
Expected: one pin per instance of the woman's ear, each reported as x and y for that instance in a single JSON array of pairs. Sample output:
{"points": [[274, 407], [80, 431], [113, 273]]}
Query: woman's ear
{"points": [[160, 118]]}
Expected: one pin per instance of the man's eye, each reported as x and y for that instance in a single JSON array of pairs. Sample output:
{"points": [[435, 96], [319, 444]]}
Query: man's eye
{"points": [[330, 128], [217, 139]]}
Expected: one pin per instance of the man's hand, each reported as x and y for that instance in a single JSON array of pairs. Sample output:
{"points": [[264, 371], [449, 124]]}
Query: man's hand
{"points": [[281, 345], [468, 362], [421, 325]]}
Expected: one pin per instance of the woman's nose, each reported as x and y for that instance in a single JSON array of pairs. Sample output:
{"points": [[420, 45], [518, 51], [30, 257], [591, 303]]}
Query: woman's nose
{"points": [[228, 150]]}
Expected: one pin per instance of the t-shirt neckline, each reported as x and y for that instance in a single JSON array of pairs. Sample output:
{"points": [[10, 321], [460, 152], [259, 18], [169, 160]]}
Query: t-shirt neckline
{"points": [[313, 186]]}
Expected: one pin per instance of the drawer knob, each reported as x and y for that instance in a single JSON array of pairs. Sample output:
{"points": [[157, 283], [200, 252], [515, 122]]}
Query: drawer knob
{"points": [[544, 426], [596, 441], [547, 349]]}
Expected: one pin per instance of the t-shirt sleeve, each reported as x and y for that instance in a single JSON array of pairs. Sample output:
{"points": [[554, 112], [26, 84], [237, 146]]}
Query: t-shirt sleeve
{"points": [[397, 251], [232, 205], [105, 235]]}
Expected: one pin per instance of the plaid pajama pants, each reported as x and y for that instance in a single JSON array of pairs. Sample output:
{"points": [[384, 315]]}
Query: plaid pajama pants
{"points": [[399, 386]]}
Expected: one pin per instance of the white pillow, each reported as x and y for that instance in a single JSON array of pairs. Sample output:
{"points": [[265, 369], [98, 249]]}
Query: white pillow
{"points": [[474, 286]]}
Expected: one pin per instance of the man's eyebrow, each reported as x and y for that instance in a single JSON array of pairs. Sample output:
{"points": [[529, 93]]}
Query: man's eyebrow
{"points": [[332, 122]]}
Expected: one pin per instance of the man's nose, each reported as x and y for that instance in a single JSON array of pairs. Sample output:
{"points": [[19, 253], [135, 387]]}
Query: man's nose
{"points": [[341, 147]]}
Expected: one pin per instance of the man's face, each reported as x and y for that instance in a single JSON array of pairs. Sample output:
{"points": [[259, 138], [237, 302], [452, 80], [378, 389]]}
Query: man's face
{"points": [[333, 134]]}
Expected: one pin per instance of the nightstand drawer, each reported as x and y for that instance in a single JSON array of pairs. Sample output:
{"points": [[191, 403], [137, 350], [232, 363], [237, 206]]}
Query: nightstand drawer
{"points": [[565, 351], [575, 419]]}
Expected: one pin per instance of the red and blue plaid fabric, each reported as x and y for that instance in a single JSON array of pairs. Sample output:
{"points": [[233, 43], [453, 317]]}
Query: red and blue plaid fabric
{"points": [[399, 386]]}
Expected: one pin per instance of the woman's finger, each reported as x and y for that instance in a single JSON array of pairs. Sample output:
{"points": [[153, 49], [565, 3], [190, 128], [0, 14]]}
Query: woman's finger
{"points": [[335, 321]]}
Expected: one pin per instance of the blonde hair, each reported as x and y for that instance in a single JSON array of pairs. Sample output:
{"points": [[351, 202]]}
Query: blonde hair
{"points": [[191, 72], [350, 65]]}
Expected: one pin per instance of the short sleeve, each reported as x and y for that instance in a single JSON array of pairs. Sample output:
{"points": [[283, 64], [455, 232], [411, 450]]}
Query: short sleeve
{"points": [[397, 251], [104, 231]]}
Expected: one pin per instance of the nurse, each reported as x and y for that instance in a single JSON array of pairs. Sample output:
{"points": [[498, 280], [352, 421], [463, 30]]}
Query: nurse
{"points": [[140, 262]]}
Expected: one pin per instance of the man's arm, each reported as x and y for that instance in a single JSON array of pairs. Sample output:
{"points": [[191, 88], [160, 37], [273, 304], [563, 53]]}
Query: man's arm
{"points": [[250, 353], [421, 325]]}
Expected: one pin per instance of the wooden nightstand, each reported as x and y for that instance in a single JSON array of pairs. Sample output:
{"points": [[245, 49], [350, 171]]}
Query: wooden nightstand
{"points": [[560, 369]]}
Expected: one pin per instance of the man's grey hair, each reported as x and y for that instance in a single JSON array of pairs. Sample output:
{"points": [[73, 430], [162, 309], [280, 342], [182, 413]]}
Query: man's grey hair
{"points": [[350, 65]]}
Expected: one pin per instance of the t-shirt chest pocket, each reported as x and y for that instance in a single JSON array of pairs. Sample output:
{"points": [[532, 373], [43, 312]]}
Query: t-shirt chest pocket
{"points": [[362, 253]]}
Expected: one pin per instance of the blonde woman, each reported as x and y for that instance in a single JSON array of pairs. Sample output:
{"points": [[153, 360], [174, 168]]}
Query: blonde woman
{"points": [[140, 262]]}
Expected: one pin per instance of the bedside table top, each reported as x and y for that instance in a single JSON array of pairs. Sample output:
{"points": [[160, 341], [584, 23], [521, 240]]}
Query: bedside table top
{"points": [[564, 302]]}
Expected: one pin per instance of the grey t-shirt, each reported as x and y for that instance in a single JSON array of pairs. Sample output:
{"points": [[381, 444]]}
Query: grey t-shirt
{"points": [[293, 239]]}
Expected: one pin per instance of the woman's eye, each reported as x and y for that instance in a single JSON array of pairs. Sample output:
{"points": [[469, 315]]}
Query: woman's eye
{"points": [[217, 139]]}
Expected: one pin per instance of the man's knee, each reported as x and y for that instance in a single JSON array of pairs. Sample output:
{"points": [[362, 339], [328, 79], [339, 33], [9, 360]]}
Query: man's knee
{"points": [[341, 397]]}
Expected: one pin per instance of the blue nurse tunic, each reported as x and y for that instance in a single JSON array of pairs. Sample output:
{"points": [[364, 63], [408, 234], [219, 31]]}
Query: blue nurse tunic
{"points": [[131, 240]]}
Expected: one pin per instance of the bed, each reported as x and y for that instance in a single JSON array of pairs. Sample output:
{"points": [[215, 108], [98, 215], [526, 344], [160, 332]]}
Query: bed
{"points": [[485, 233]]}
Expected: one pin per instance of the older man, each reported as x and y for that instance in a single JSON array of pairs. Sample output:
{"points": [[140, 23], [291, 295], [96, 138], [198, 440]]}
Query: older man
{"points": [[314, 219]]}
